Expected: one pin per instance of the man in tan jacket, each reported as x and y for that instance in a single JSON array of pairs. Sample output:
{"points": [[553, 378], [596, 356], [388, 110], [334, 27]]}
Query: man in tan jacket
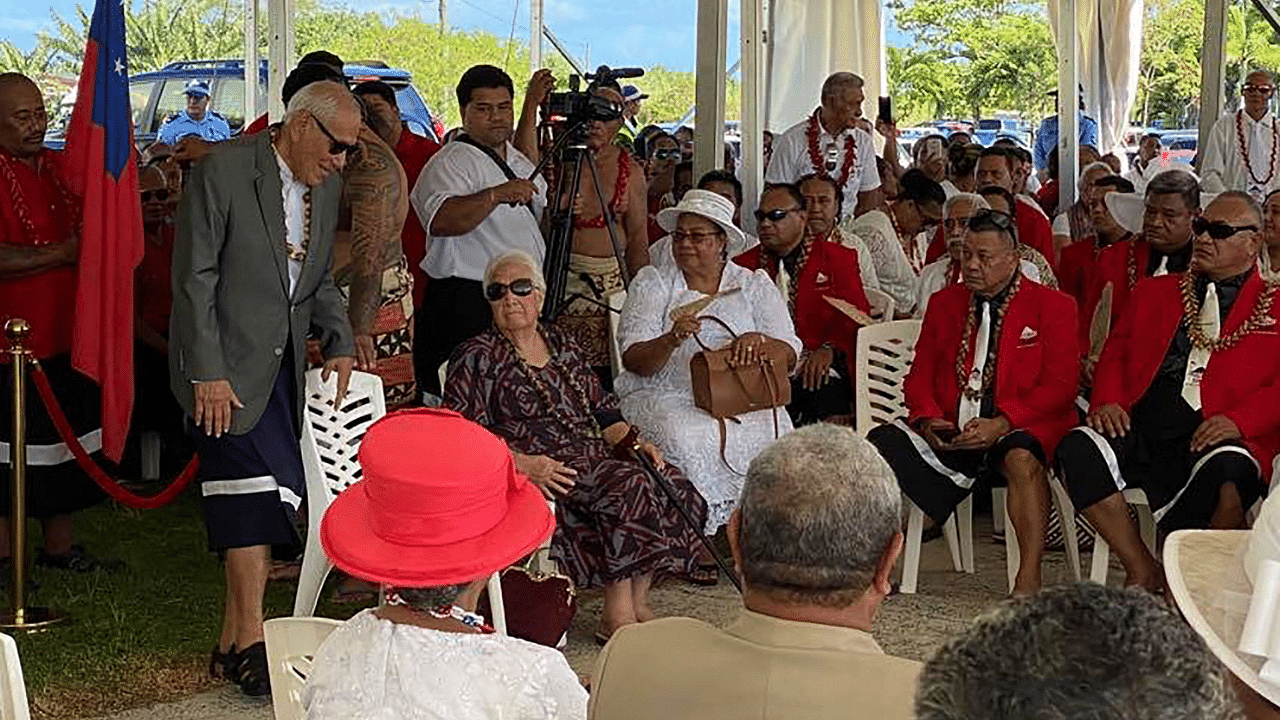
{"points": [[815, 539]]}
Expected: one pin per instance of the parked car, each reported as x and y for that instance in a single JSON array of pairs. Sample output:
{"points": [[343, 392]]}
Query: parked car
{"points": [[992, 129], [1180, 145], [157, 96]]}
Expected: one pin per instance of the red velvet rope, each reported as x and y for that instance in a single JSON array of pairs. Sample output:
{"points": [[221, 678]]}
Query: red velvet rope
{"points": [[109, 485]]}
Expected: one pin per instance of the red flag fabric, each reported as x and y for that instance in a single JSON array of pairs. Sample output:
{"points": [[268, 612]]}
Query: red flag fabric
{"points": [[102, 168]]}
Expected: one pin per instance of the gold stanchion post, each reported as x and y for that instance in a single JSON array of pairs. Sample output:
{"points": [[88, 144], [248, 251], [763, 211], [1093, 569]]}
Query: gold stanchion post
{"points": [[21, 617]]}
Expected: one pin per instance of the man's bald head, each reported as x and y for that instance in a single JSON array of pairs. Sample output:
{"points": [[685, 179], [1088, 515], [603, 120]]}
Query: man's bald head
{"points": [[23, 121], [1235, 250]]}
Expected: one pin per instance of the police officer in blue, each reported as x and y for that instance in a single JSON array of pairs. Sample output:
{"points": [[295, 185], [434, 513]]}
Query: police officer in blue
{"points": [[196, 119]]}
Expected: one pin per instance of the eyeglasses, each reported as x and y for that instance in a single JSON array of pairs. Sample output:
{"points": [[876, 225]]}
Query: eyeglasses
{"points": [[775, 215], [951, 225], [1218, 230], [1260, 89], [669, 154], [696, 238], [161, 195], [520, 288], [335, 146]]}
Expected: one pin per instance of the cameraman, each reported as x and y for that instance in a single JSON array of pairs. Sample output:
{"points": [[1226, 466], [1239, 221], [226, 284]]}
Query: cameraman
{"points": [[472, 213], [593, 264]]}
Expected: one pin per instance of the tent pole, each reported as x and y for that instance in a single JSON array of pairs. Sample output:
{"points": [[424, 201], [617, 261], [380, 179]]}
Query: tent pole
{"points": [[708, 145], [1212, 67], [752, 113], [1068, 103]]}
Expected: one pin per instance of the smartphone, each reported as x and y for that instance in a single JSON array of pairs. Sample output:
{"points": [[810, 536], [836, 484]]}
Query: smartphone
{"points": [[886, 110], [946, 435]]}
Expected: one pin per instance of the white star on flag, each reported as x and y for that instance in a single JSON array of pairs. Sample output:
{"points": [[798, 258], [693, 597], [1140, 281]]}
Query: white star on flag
{"points": [[119, 67]]}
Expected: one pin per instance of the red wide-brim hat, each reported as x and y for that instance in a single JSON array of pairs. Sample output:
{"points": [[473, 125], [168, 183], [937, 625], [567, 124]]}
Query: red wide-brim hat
{"points": [[440, 503]]}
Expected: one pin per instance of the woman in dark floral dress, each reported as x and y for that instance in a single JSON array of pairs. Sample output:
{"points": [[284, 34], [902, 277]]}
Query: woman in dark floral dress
{"points": [[530, 385]]}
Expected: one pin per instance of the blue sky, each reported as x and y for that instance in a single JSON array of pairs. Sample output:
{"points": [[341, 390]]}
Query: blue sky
{"points": [[648, 33]]}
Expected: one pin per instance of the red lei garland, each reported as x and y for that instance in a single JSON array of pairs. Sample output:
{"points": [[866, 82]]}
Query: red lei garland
{"points": [[18, 201], [619, 201], [1244, 150], [812, 132]]}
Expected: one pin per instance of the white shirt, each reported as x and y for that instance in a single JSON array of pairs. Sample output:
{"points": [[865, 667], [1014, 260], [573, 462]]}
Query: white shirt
{"points": [[790, 161], [893, 268], [1222, 164], [292, 194], [460, 169], [371, 669]]}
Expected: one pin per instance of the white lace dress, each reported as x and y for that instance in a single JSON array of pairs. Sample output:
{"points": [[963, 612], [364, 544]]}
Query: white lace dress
{"points": [[372, 669], [662, 405]]}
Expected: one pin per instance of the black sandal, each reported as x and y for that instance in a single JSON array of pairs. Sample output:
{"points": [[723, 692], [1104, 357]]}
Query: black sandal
{"points": [[255, 679], [77, 559], [224, 665]]}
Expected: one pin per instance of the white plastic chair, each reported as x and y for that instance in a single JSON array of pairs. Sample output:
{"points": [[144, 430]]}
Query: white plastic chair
{"points": [[1146, 526], [882, 305], [881, 362], [615, 301], [1066, 514], [330, 444], [292, 644]]}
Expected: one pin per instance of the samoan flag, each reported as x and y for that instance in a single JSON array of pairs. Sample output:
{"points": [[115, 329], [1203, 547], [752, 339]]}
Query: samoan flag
{"points": [[101, 164]]}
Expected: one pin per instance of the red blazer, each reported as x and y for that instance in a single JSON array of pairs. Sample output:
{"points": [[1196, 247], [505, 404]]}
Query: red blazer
{"points": [[1034, 231], [832, 269], [1075, 270], [1241, 382], [1036, 377], [1112, 266]]}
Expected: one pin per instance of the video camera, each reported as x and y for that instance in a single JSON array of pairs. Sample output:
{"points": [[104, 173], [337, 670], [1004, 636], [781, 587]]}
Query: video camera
{"points": [[576, 109]]}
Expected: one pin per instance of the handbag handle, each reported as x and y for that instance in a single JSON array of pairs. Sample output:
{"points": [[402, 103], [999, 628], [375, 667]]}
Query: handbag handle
{"points": [[722, 324]]}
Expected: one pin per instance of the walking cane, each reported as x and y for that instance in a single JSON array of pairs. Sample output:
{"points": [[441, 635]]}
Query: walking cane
{"points": [[670, 492], [21, 617]]}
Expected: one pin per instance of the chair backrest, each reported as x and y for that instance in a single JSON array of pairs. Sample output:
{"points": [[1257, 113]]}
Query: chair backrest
{"points": [[882, 305], [331, 436], [883, 357], [615, 314], [292, 643]]}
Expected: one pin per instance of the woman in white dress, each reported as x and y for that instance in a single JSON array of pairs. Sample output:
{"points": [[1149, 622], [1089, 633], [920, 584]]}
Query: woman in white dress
{"points": [[431, 526], [656, 390]]}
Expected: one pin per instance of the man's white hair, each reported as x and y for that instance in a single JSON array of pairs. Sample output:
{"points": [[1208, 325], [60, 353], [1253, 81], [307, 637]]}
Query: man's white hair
{"points": [[1084, 172], [322, 100], [979, 203]]}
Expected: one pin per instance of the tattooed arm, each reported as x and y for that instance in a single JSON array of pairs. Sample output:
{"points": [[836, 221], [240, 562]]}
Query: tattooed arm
{"points": [[378, 196]]}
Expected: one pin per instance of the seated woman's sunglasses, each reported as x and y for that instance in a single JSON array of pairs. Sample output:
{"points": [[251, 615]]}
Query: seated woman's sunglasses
{"points": [[520, 288]]}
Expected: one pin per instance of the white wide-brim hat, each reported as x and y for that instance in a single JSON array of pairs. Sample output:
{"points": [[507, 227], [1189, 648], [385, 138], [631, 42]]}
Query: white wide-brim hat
{"points": [[711, 206], [1227, 585]]}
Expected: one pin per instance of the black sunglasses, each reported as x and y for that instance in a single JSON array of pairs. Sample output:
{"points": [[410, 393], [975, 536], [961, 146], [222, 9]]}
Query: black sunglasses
{"points": [[670, 154], [1217, 230], [520, 288], [162, 194], [335, 147], [987, 220], [775, 215]]}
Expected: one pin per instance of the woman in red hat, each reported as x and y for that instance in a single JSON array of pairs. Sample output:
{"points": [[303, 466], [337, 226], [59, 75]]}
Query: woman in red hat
{"points": [[431, 526], [532, 386]]}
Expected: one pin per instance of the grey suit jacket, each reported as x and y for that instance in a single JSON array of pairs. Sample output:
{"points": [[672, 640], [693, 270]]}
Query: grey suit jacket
{"points": [[232, 312]]}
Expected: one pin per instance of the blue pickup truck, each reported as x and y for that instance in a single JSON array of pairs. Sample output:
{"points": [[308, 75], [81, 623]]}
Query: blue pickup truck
{"points": [[157, 96]]}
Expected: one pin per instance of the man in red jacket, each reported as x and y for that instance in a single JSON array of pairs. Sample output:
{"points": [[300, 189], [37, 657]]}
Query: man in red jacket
{"points": [[1172, 202], [990, 391], [810, 270], [1186, 403]]}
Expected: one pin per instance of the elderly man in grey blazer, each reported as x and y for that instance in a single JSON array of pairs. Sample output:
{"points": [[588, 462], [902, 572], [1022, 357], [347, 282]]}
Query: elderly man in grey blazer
{"points": [[251, 276]]}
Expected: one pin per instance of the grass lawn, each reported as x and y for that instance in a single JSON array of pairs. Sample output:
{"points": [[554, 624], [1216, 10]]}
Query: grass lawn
{"points": [[139, 635]]}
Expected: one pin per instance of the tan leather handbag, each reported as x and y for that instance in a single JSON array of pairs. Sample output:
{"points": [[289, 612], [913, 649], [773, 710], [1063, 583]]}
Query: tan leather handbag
{"points": [[724, 392]]}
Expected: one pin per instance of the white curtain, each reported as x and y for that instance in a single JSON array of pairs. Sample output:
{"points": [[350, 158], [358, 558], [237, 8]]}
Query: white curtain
{"points": [[1110, 36], [811, 39]]}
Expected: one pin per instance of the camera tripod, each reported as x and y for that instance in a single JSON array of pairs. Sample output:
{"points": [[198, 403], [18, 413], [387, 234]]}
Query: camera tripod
{"points": [[572, 155]]}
